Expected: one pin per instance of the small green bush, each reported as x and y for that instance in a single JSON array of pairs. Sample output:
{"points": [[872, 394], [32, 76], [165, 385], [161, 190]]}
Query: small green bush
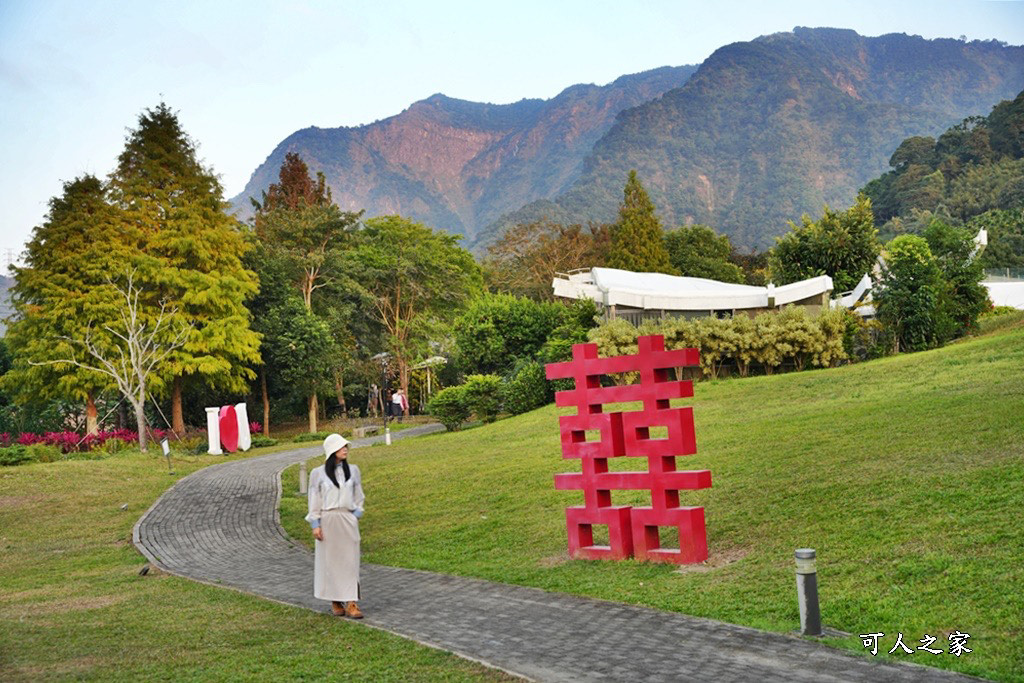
{"points": [[527, 389], [483, 396], [41, 452], [450, 407], [14, 455], [312, 436], [261, 441]]}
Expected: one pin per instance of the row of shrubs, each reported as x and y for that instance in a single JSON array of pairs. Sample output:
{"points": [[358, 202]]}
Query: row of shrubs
{"points": [[771, 340], [790, 338]]}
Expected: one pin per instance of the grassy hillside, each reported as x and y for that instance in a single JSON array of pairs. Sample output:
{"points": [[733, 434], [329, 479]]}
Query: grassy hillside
{"points": [[906, 474], [73, 606]]}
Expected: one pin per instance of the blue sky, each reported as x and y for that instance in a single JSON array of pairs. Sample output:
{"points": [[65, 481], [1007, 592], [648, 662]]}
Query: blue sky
{"points": [[74, 75]]}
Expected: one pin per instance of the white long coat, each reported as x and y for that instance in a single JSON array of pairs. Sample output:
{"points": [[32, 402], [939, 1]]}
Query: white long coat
{"points": [[336, 558]]}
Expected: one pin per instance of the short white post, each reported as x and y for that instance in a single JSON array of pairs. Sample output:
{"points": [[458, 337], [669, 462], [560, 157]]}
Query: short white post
{"points": [[387, 436], [213, 431], [302, 476]]}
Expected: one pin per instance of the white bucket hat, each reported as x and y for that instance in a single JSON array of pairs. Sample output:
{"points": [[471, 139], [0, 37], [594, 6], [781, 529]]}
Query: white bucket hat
{"points": [[334, 443]]}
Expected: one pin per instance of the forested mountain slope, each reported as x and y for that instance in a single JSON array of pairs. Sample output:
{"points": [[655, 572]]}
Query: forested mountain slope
{"points": [[772, 128]]}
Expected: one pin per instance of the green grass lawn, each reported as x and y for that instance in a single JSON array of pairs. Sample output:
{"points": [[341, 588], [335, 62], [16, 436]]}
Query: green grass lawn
{"points": [[906, 474], [73, 606]]}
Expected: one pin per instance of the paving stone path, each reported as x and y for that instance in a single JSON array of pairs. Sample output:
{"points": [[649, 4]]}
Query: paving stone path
{"points": [[220, 525]]}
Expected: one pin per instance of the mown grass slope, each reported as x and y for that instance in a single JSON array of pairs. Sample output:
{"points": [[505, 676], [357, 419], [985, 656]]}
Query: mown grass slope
{"points": [[906, 474]]}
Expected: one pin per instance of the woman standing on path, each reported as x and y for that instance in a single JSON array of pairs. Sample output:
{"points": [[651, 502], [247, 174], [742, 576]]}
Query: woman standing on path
{"points": [[335, 506]]}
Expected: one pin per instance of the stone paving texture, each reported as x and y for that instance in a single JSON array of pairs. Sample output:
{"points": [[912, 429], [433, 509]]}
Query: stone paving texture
{"points": [[220, 525]]}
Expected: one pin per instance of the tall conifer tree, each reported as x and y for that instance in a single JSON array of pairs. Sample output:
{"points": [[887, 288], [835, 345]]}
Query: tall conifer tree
{"points": [[637, 240], [194, 249], [63, 293]]}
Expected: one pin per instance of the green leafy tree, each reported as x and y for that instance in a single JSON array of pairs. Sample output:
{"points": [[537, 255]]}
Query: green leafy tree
{"points": [[418, 281], [908, 295], [527, 257], [499, 330], [697, 251], [298, 221], [305, 235], [637, 241], [1005, 237], [301, 347], [963, 297], [194, 255], [63, 291], [842, 245]]}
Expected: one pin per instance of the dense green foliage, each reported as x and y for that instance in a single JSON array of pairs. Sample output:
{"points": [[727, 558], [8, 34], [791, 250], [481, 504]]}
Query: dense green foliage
{"points": [[526, 389], [697, 251], [498, 330], [417, 280], [842, 245], [62, 293], [962, 296], [450, 407], [637, 240], [769, 341], [301, 239], [1005, 228], [908, 296], [973, 173], [193, 253], [483, 396]]}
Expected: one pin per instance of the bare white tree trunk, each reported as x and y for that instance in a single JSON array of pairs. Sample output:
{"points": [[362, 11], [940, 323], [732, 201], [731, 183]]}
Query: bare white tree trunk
{"points": [[136, 348]]}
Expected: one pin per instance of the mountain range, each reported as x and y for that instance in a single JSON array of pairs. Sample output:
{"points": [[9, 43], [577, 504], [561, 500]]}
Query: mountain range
{"points": [[460, 165], [760, 133]]}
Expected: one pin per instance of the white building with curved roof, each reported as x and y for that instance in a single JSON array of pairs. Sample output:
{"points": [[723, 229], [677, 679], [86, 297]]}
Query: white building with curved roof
{"points": [[641, 296]]}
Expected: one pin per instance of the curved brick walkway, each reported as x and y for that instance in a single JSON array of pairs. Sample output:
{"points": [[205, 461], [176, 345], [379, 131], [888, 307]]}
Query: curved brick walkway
{"points": [[220, 525]]}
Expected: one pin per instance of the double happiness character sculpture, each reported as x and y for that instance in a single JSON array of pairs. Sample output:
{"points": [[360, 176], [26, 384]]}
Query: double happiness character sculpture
{"points": [[632, 531]]}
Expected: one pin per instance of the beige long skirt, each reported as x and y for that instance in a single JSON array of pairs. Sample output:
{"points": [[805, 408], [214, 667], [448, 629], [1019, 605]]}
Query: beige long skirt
{"points": [[336, 558]]}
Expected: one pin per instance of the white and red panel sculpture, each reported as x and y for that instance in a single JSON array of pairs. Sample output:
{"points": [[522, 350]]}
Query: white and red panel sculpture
{"points": [[228, 426]]}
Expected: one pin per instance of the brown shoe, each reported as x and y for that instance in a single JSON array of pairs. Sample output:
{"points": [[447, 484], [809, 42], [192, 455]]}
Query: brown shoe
{"points": [[338, 608], [353, 612]]}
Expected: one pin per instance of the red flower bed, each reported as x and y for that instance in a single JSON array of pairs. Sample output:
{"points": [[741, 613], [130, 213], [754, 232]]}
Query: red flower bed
{"points": [[73, 442]]}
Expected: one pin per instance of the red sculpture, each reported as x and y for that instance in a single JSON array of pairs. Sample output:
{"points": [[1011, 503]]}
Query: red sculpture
{"points": [[229, 428], [632, 531]]}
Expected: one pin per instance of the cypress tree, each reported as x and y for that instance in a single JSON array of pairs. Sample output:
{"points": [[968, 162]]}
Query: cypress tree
{"points": [[62, 293], [637, 240], [194, 251]]}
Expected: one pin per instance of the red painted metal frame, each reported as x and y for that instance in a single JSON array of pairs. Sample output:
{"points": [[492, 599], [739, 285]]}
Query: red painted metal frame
{"points": [[632, 531]]}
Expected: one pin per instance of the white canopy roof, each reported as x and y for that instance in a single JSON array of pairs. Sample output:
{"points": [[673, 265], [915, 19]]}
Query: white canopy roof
{"points": [[656, 291], [1006, 293]]}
